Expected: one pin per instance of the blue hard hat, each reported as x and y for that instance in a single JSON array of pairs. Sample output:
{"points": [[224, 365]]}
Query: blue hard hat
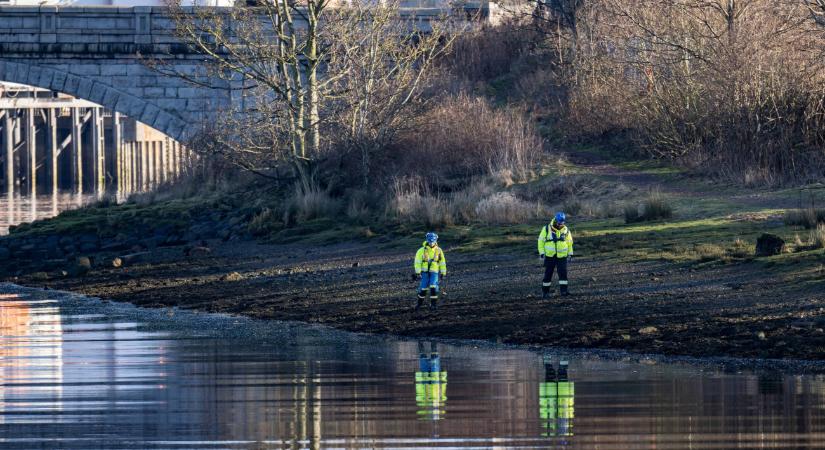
{"points": [[431, 238], [560, 217]]}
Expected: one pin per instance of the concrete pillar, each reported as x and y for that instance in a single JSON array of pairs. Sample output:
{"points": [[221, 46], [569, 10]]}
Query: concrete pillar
{"points": [[31, 153], [98, 150], [77, 151], [133, 174], [51, 142], [8, 139], [156, 150], [145, 166], [166, 160], [117, 137]]}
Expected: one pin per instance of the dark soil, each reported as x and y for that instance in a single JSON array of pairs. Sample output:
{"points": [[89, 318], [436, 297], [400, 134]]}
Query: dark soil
{"points": [[731, 310]]}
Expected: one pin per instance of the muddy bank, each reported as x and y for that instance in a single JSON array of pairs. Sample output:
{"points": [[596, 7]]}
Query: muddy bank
{"points": [[648, 307]]}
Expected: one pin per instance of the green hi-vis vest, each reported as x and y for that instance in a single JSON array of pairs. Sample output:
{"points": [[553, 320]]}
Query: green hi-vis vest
{"points": [[556, 402], [430, 259], [552, 242], [430, 394]]}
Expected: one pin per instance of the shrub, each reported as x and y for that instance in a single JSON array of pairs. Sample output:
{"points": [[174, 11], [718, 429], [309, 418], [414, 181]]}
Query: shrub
{"points": [[504, 207], [310, 203], [631, 213], [263, 223], [411, 201], [654, 207], [466, 136]]}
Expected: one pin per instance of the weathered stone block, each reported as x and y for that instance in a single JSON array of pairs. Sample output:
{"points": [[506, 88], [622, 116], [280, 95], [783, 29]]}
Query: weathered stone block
{"points": [[154, 92], [98, 92], [85, 69], [111, 70], [72, 84], [58, 81], [150, 113], [85, 88]]}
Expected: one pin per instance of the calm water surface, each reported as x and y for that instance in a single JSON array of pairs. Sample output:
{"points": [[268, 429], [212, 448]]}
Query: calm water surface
{"points": [[17, 209], [79, 373]]}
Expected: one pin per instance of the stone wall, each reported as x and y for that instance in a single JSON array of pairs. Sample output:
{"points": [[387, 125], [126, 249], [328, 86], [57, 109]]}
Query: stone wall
{"points": [[103, 54]]}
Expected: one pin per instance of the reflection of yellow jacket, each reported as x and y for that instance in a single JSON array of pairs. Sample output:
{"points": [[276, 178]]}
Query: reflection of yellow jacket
{"points": [[430, 259], [430, 394], [556, 402]]}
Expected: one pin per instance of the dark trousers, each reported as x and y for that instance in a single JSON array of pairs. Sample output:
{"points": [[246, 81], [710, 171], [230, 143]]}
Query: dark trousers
{"points": [[555, 264]]}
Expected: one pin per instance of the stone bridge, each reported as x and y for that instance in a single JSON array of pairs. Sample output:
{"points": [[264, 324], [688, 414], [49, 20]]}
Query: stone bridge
{"points": [[100, 53]]}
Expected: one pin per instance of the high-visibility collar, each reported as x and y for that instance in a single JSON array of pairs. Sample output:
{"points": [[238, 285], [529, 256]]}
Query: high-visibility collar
{"points": [[552, 227]]}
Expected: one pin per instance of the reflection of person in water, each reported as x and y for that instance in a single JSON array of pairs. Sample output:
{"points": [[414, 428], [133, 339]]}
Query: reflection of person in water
{"points": [[556, 397], [430, 383]]}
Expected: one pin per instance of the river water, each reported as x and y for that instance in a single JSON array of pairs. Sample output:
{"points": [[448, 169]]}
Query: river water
{"points": [[81, 373], [17, 209]]}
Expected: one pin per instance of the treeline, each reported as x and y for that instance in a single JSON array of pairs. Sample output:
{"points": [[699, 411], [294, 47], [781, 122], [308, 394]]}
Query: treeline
{"points": [[733, 88], [352, 110]]}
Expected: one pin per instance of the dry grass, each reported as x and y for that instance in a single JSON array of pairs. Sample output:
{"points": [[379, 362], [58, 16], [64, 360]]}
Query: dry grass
{"points": [[310, 203], [654, 207], [807, 217], [466, 136], [818, 237], [504, 208]]}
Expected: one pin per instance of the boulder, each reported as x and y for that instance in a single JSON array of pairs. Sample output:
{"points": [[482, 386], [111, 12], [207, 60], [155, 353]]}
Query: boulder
{"points": [[648, 330], [769, 245], [232, 276], [81, 267]]}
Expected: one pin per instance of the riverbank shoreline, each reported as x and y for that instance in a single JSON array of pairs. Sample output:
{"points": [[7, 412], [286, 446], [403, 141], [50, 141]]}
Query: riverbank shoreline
{"points": [[261, 328], [645, 308]]}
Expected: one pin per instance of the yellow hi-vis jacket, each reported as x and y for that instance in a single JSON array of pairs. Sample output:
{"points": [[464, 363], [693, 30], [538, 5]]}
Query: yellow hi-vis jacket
{"points": [[553, 242], [430, 259]]}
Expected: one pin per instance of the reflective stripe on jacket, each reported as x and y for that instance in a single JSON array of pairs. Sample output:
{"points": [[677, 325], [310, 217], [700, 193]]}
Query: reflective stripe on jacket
{"points": [[552, 242], [430, 259]]}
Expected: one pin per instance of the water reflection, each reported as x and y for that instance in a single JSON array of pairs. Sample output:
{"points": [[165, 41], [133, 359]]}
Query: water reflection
{"points": [[17, 209], [31, 369], [430, 383], [84, 374], [556, 400]]}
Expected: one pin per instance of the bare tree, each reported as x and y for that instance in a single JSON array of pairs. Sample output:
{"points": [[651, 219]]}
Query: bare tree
{"points": [[388, 64], [303, 68]]}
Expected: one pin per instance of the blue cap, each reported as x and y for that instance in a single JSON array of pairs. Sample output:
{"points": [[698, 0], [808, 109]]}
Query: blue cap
{"points": [[431, 238]]}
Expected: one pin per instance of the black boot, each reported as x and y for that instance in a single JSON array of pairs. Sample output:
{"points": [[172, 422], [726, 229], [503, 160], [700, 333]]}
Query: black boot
{"points": [[433, 298], [422, 294], [545, 292], [563, 289]]}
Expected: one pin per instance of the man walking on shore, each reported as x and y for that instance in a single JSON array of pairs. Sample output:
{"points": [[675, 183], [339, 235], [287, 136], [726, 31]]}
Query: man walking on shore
{"points": [[555, 247]]}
